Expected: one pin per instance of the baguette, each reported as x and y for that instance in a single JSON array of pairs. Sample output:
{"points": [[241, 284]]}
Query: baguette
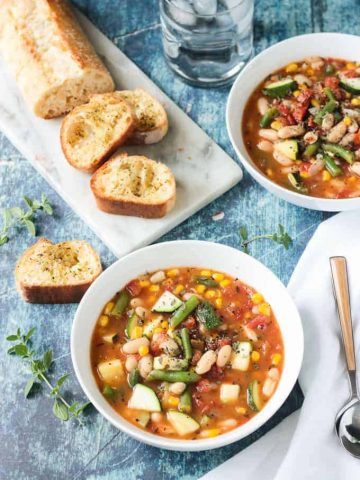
{"points": [[135, 186], [53, 62], [60, 273], [92, 132]]}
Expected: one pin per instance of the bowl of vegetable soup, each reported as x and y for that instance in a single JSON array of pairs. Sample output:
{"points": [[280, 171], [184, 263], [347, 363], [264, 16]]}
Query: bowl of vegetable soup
{"points": [[293, 117], [187, 345]]}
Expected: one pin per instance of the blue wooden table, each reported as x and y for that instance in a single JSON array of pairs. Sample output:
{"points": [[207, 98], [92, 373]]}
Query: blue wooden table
{"points": [[34, 444]]}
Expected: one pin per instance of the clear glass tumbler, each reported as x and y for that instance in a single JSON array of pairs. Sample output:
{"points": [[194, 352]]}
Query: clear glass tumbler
{"points": [[207, 42]]}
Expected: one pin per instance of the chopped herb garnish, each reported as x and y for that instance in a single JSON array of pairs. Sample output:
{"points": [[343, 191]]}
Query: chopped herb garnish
{"points": [[206, 315]]}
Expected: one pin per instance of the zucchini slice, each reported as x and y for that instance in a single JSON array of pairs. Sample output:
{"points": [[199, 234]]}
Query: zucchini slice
{"points": [[183, 423], [351, 85], [253, 396], [240, 358], [167, 303], [144, 398], [289, 148], [297, 183], [150, 327], [131, 324], [280, 88]]}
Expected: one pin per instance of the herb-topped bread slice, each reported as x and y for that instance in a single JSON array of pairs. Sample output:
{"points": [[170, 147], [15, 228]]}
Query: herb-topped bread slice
{"points": [[92, 132], [56, 273], [150, 117], [134, 185]]}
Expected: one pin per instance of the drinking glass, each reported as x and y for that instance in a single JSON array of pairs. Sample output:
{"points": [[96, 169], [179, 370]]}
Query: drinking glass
{"points": [[207, 42]]}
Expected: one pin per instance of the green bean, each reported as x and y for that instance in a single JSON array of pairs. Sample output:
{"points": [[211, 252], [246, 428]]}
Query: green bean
{"points": [[208, 282], [185, 402], [173, 376], [134, 377], [184, 311], [296, 182], [328, 108], [121, 303], [268, 117], [310, 150], [331, 166], [341, 152], [185, 337], [329, 93]]}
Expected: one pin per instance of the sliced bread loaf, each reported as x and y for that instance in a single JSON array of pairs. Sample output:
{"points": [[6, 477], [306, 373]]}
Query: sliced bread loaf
{"points": [[134, 185], [92, 132], [60, 273]]}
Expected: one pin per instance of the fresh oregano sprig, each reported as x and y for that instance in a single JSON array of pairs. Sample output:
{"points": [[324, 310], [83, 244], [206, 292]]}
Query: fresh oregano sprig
{"points": [[18, 217], [39, 368], [281, 237]]}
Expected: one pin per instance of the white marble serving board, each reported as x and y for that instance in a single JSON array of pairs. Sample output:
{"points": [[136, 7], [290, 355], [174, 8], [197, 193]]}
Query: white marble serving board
{"points": [[203, 171]]}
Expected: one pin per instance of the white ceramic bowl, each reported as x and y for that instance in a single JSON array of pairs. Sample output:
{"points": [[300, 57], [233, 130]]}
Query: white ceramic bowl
{"points": [[293, 49], [197, 254]]}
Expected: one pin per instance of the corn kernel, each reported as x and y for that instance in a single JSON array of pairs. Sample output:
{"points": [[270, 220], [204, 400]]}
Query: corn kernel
{"points": [[255, 356], [218, 276], [210, 294], [326, 176], [302, 86], [103, 320], [264, 309], [304, 174], [144, 283], [350, 66], [179, 288], [269, 172], [219, 302], [276, 358], [165, 324], [158, 330], [200, 288], [347, 94], [143, 350], [174, 272], [296, 93], [291, 68], [152, 299], [248, 315], [205, 273], [154, 288], [109, 307], [173, 401], [240, 410], [315, 102], [225, 282], [212, 432], [356, 102], [347, 121], [137, 332], [276, 125], [257, 298], [310, 71]]}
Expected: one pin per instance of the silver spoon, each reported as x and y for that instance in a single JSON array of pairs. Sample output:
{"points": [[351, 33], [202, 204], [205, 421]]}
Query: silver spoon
{"points": [[347, 421]]}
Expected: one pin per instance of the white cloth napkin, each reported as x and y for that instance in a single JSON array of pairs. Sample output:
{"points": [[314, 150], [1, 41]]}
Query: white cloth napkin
{"points": [[305, 446]]}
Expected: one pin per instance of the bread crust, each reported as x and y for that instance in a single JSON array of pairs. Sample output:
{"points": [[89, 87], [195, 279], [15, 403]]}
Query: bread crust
{"points": [[37, 39], [128, 206], [66, 293]]}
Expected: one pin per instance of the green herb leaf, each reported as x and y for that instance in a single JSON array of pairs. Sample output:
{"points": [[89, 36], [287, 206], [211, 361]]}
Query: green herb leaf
{"points": [[208, 282], [62, 379], [206, 315], [29, 334], [47, 359], [21, 350], [281, 237], [3, 239], [28, 201], [12, 338], [243, 233], [28, 387], [31, 227], [60, 410], [7, 217], [17, 212]]}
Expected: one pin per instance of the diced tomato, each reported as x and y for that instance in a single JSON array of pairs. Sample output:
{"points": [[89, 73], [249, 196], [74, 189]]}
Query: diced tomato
{"points": [[311, 123], [168, 284], [134, 288], [203, 386], [356, 139], [196, 357], [221, 342], [331, 82], [260, 322], [305, 96], [190, 322], [203, 406], [304, 167], [215, 373], [300, 112], [350, 73]]}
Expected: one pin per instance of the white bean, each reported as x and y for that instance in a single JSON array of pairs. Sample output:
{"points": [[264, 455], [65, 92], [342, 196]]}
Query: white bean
{"points": [[229, 423], [262, 105], [355, 168], [274, 373], [347, 139], [291, 131], [142, 312], [145, 365], [268, 387], [311, 137], [337, 132], [328, 121], [291, 169], [223, 356], [157, 277], [177, 388], [265, 146], [156, 417], [205, 363], [317, 65], [131, 363], [299, 78], [268, 134], [133, 345], [316, 167], [282, 159], [136, 302]]}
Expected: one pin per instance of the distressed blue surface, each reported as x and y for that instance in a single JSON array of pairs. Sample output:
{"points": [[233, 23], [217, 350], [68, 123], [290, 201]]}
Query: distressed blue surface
{"points": [[35, 445]]}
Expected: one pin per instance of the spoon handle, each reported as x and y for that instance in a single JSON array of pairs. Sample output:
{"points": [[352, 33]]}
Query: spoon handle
{"points": [[342, 297]]}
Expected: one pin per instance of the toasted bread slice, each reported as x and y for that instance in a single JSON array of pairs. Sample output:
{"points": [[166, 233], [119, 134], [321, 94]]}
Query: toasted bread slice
{"points": [[150, 117], [60, 273], [134, 185], [92, 132]]}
